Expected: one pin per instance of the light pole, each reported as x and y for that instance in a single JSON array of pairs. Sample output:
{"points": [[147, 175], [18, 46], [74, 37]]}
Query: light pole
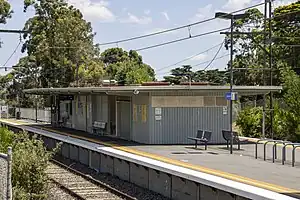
{"points": [[232, 18]]}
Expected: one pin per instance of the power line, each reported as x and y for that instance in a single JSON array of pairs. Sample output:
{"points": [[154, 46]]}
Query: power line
{"points": [[177, 28], [214, 56], [169, 30], [188, 58], [181, 39], [20, 42], [204, 62]]}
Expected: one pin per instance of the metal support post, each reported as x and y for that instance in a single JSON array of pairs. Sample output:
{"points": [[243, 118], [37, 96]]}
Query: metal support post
{"points": [[9, 166], [231, 81], [271, 74], [36, 108]]}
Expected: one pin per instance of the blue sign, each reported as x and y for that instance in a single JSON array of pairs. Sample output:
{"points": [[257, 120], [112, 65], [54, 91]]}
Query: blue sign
{"points": [[231, 96], [228, 95]]}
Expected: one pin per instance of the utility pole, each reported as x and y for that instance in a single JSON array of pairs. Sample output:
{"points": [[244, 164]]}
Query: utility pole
{"points": [[270, 63], [265, 66], [231, 81]]}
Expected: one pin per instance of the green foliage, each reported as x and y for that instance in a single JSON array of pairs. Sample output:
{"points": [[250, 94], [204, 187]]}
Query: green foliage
{"points": [[185, 74], [5, 11], [126, 67], [249, 121], [6, 139], [290, 116], [30, 159], [60, 41]]}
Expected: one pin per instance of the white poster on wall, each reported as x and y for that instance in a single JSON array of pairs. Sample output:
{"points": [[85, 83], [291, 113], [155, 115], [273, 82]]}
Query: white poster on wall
{"points": [[157, 111], [225, 110], [158, 117], [4, 109]]}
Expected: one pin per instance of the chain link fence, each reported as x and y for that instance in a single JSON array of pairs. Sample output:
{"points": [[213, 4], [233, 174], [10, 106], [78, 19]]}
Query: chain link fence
{"points": [[5, 175]]}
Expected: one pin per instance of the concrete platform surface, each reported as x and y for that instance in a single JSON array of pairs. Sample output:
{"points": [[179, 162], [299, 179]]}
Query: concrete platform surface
{"points": [[241, 163], [241, 166]]}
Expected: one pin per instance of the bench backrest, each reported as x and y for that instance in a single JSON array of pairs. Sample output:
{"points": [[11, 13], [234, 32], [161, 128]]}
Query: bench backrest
{"points": [[207, 135], [227, 134], [199, 133], [101, 125]]}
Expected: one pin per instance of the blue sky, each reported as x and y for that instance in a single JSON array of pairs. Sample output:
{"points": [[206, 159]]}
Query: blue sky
{"points": [[118, 19]]}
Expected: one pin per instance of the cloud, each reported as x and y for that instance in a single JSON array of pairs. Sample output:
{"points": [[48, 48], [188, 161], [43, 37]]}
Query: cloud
{"points": [[236, 4], [136, 20], [199, 57], [165, 14], [97, 10], [147, 12], [202, 13]]}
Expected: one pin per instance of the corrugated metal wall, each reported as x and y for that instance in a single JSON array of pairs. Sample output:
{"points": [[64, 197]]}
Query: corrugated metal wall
{"points": [[140, 125], [177, 124], [100, 108], [79, 110]]}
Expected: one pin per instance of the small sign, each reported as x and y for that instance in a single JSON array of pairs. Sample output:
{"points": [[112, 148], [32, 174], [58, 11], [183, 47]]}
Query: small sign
{"points": [[66, 97], [158, 117], [157, 111], [4, 109], [231, 96], [225, 110]]}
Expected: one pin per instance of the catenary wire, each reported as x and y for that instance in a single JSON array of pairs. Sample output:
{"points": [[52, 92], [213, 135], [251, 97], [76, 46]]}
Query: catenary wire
{"points": [[180, 27], [181, 39], [188, 58], [215, 56]]}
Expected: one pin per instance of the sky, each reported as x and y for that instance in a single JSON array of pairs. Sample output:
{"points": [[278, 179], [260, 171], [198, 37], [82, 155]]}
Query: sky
{"points": [[118, 19]]}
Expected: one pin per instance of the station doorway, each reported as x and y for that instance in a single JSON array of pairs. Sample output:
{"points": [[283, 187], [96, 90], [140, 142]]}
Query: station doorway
{"points": [[123, 119]]}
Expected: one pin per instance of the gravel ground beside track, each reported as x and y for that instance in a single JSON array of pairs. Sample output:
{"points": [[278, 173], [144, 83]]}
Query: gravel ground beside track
{"points": [[128, 188]]}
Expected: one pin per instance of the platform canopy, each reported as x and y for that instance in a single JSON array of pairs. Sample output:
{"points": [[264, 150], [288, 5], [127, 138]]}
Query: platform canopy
{"points": [[241, 90]]}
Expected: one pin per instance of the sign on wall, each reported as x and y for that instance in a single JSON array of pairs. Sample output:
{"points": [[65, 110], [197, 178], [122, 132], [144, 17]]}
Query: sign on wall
{"points": [[157, 114], [225, 110], [144, 113], [134, 112], [157, 111]]}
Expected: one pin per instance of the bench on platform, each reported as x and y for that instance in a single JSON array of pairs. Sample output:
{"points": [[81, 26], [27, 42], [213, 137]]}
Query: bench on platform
{"points": [[202, 136], [227, 137], [99, 127]]}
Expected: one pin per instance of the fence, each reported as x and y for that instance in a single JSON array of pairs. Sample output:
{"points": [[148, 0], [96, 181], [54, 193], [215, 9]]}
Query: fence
{"points": [[43, 115], [5, 175]]}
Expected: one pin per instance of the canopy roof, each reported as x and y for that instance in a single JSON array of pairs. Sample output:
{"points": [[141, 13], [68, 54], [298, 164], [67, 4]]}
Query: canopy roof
{"points": [[242, 90]]}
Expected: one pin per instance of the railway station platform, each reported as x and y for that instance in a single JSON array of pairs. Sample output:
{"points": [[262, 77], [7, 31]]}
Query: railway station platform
{"points": [[241, 166]]}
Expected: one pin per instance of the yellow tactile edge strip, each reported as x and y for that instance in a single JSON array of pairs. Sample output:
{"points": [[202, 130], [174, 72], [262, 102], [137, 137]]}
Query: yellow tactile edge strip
{"points": [[233, 177]]}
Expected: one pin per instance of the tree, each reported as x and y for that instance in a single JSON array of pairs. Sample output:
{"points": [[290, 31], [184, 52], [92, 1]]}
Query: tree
{"points": [[180, 74], [5, 11], [126, 67], [61, 42], [249, 53], [185, 74]]}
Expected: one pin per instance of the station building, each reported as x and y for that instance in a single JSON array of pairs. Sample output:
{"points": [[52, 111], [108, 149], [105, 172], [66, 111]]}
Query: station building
{"points": [[162, 114]]}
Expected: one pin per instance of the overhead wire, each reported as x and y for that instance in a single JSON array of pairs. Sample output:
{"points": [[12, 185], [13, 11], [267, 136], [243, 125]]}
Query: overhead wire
{"points": [[181, 39], [179, 27], [13, 53], [202, 63], [189, 58], [217, 53]]}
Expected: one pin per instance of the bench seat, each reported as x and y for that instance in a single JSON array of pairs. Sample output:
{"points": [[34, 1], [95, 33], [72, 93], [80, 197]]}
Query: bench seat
{"points": [[202, 136]]}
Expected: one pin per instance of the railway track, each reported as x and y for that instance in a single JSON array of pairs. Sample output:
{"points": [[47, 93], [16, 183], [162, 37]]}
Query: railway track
{"points": [[81, 186]]}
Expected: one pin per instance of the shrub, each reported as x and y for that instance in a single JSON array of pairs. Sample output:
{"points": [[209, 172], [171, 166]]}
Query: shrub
{"points": [[249, 122], [30, 160]]}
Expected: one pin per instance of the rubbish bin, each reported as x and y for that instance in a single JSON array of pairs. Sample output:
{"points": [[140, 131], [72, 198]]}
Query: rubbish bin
{"points": [[18, 115]]}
